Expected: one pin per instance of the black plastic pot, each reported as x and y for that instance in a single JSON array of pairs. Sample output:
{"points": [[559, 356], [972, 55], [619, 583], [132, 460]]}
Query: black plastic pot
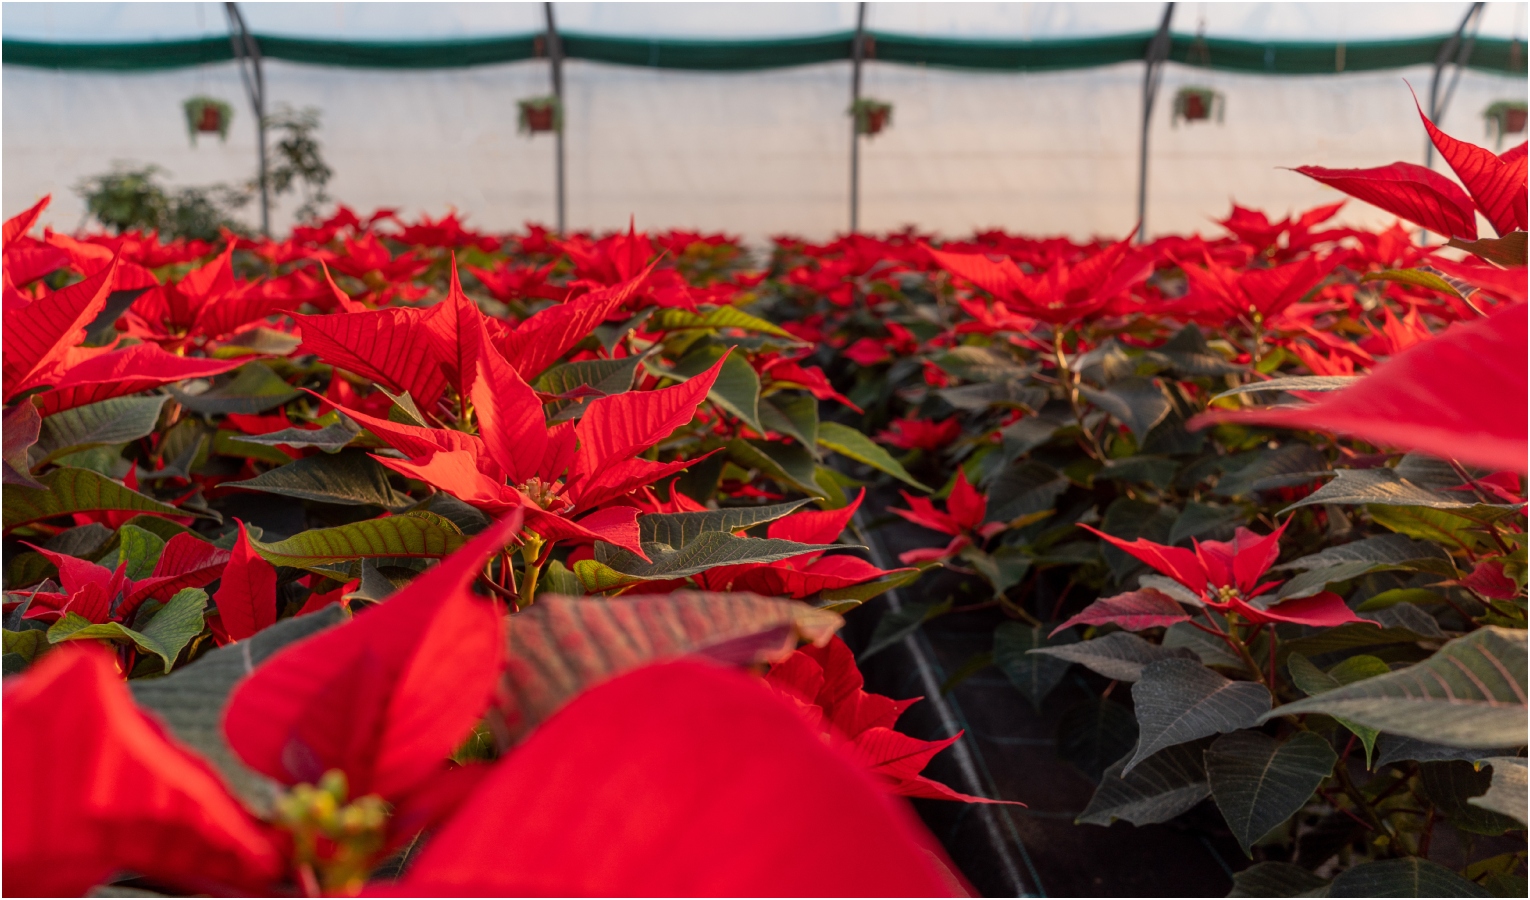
{"points": [[1009, 752]]}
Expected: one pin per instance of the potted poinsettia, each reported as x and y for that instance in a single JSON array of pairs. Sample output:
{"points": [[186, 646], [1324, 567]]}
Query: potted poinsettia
{"points": [[541, 114], [1197, 104], [207, 115], [1505, 117], [871, 116]]}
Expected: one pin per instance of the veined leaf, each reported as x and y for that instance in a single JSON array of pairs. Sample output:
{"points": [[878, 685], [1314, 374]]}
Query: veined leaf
{"points": [[191, 700], [70, 491], [166, 635], [139, 547], [792, 413], [678, 529], [1508, 251], [1408, 876], [253, 389], [1095, 733], [1314, 681], [598, 578], [412, 534], [737, 387], [1470, 693], [897, 624], [1137, 403], [1457, 527], [331, 438], [1179, 700], [1294, 383], [114, 421], [1415, 277], [560, 646], [1506, 795], [1119, 655], [1276, 879], [1157, 789], [1385, 549], [790, 465], [347, 479], [1259, 782], [22, 427], [847, 598], [604, 376], [704, 551], [1380, 487], [721, 317], [1033, 676], [849, 442]]}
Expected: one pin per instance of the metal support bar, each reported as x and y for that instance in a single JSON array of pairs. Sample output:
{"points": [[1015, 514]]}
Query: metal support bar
{"points": [[555, 57], [1458, 45], [1158, 52], [247, 56], [857, 55]]}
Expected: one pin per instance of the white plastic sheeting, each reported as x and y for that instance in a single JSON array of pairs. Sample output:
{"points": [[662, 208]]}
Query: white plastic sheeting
{"points": [[752, 153]]}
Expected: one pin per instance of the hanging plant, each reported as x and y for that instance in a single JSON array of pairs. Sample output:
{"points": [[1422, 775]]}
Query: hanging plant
{"points": [[205, 115], [539, 114], [1197, 104], [1504, 118], [871, 116]]}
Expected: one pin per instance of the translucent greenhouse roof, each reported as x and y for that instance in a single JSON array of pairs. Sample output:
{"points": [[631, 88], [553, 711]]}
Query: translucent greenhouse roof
{"points": [[128, 22]]}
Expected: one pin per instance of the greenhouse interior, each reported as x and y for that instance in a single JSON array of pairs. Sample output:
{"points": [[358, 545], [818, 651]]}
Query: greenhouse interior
{"points": [[745, 449]]}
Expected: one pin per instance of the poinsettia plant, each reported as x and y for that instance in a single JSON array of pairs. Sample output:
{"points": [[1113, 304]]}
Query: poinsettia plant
{"points": [[308, 535]]}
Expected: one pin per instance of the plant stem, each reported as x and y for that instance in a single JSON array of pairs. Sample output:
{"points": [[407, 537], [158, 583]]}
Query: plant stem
{"points": [[531, 552]]}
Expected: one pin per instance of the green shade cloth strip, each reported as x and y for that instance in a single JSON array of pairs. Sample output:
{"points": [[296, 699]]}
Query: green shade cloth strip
{"points": [[1491, 55]]}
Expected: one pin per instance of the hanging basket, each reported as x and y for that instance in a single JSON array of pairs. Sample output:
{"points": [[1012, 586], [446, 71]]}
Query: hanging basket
{"points": [[207, 115], [1504, 118], [1197, 104], [541, 114], [871, 116]]}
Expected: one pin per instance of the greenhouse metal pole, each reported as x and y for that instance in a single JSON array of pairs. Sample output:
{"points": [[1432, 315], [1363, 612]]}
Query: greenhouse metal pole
{"points": [[1158, 51], [857, 56], [555, 58], [1460, 46], [247, 55]]}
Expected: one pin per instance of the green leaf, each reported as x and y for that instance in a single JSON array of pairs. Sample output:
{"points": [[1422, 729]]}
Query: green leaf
{"points": [[794, 414], [1452, 785], [1259, 782], [182, 620], [846, 598], [1033, 676], [676, 530], [1289, 464], [255, 388], [559, 579], [1197, 520], [73, 491], [190, 701], [598, 578], [351, 478], [1470, 693], [1137, 403], [1013, 394], [1179, 700], [1294, 383], [1416, 277], [1395, 596], [1130, 519], [1119, 655], [561, 645], [139, 547], [1189, 354], [847, 441], [605, 376], [1313, 681], [412, 534], [721, 317], [1391, 550], [177, 623], [790, 465], [1023, 490], [1460, 528], [1506, 794], [704, 551], [331, 438], [1379, 487], [26, 644], [1003, 569], [897, 624], [1094, 733], [114, 421], [1276, 879], [1407, 876], [971, 363], [1157, 789], [1211, 650]]}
